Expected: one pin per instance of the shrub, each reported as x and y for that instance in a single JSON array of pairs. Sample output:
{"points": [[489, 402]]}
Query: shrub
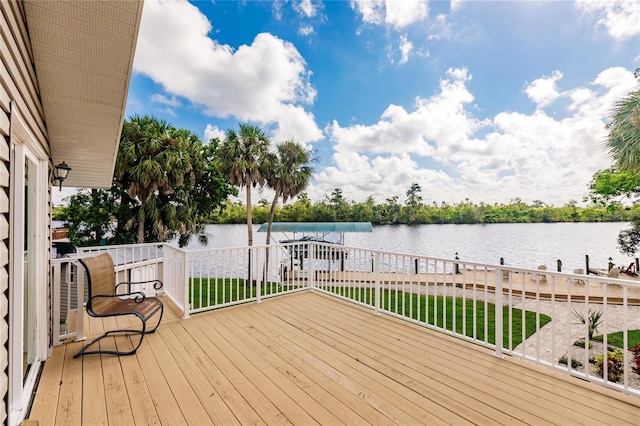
{"points": [[574, 362], [580, 343], [593, 320], [636, 359], [615, 365]]}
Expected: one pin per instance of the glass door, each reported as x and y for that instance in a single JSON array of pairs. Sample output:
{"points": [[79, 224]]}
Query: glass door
{"points": [[29, 345], [28, 267]]}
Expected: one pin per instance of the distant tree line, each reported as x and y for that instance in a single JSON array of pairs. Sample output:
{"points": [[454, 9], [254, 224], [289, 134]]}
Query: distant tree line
{"points": [[412, 211]]}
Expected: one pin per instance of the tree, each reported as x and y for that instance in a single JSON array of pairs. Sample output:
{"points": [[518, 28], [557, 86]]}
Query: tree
{"points": [[181, 188], [413, 202], [414, 199], [89, 216], [624, 146], [152, 162], [240, 157], [614, 186], [288, 173], [624, 133], [339, 205], [210, 187]]}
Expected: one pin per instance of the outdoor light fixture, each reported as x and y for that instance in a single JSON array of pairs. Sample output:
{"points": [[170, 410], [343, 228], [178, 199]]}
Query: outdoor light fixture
{"points": [[60, 173]]}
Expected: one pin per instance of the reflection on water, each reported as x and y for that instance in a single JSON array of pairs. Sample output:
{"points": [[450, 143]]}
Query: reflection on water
{"points": [[520, 244]]}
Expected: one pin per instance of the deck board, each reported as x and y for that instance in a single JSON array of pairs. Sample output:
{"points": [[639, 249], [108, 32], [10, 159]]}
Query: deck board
{"points": [[496, 377], [309, 358], [46, 403], [356, 375], [431, 384], [445, 372]]}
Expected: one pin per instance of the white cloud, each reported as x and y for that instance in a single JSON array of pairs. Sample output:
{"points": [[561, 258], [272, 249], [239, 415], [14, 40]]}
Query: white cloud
{"points": [[257, 82], [620, 18], [455, 5], [277, 9], [395, 13], [439, 119], [305, 30], [172, 101], [211, 132], [440, 145], [402, 13], [372, 11], [305, 8], [405, 48], [544, 90]]}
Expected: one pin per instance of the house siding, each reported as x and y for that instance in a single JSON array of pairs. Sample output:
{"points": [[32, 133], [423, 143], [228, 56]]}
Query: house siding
{"points": [[18, 92]]}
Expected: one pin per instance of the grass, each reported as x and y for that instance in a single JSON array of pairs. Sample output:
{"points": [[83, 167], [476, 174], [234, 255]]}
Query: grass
{"points": [[616, 339], [213, 291], [441, 311], [435, 310]]}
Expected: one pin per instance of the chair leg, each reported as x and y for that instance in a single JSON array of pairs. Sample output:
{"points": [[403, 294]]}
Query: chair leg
{"points": [[84, 351], [153, 330]]}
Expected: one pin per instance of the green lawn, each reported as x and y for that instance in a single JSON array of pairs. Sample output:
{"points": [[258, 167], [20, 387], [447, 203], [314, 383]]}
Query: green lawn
{"points": [[208, 292], [439, 308], [616, 339]]}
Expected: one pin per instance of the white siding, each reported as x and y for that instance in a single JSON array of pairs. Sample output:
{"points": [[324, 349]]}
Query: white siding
{"points": [[18, 89]]}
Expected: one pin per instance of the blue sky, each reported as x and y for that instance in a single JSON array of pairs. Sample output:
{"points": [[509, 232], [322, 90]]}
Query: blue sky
{"points": [[470, 99]]}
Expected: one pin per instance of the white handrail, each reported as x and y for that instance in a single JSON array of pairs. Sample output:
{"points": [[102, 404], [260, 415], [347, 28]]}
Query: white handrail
{"points": [[456, 297]]}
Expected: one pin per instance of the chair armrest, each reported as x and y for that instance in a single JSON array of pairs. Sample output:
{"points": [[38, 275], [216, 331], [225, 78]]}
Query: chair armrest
{"points": [[138, 296], [156, 286]]}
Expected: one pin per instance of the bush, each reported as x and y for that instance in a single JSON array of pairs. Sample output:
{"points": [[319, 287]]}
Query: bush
{"points": [[574, 362], [580, 343], [592, 319], [636, 359], [615, 365]]}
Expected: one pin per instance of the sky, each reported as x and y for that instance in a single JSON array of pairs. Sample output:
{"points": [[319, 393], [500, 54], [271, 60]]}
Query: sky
{"points": [[478, 100]]}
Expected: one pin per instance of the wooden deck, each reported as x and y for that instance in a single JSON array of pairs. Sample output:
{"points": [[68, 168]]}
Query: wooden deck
{"points": [[306, 359]]}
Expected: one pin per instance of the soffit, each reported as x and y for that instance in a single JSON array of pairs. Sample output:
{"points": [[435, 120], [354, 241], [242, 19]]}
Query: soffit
{"points": [[83, 55]]}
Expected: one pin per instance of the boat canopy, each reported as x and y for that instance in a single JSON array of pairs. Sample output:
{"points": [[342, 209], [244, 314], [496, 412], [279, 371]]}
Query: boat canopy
{"points": [[321, 227]]}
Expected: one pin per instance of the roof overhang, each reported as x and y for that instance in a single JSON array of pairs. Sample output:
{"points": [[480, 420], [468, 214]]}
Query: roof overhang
{"points": [[83, 54]]}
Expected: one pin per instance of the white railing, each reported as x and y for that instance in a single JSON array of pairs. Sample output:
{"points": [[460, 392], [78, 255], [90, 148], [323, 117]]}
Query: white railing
{"points": [[529, 313], [68, 289], [225, 277], [461, 299], [139, 262]]}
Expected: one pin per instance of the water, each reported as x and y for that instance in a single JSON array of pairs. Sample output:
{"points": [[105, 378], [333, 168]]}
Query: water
{"points": [[520, 244]]}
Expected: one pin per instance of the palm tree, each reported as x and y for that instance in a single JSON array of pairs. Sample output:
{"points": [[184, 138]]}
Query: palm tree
{"points": [[288, 173], [151, 162], [240, 157], [624, 133]]}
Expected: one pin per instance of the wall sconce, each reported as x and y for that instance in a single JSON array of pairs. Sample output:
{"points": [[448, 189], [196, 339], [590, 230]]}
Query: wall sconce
{"points": [[60, 173]]}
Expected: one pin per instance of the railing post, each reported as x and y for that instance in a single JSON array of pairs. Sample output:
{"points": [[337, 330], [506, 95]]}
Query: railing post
{"points": [[80, 292], [499, 313], [55, 308], [185, 284], [311, 279], [258, 281], [376, 267]]}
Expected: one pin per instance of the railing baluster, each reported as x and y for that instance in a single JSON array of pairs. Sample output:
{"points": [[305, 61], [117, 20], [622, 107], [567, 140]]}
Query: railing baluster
{"points": [[498, 313], [390, 283]]}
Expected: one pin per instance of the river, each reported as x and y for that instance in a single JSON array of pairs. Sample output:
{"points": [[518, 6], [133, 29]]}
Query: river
{"points": [[520, 244]]}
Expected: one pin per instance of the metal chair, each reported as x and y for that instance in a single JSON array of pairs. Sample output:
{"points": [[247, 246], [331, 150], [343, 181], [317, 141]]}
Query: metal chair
{"points": [[104, 301]]}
